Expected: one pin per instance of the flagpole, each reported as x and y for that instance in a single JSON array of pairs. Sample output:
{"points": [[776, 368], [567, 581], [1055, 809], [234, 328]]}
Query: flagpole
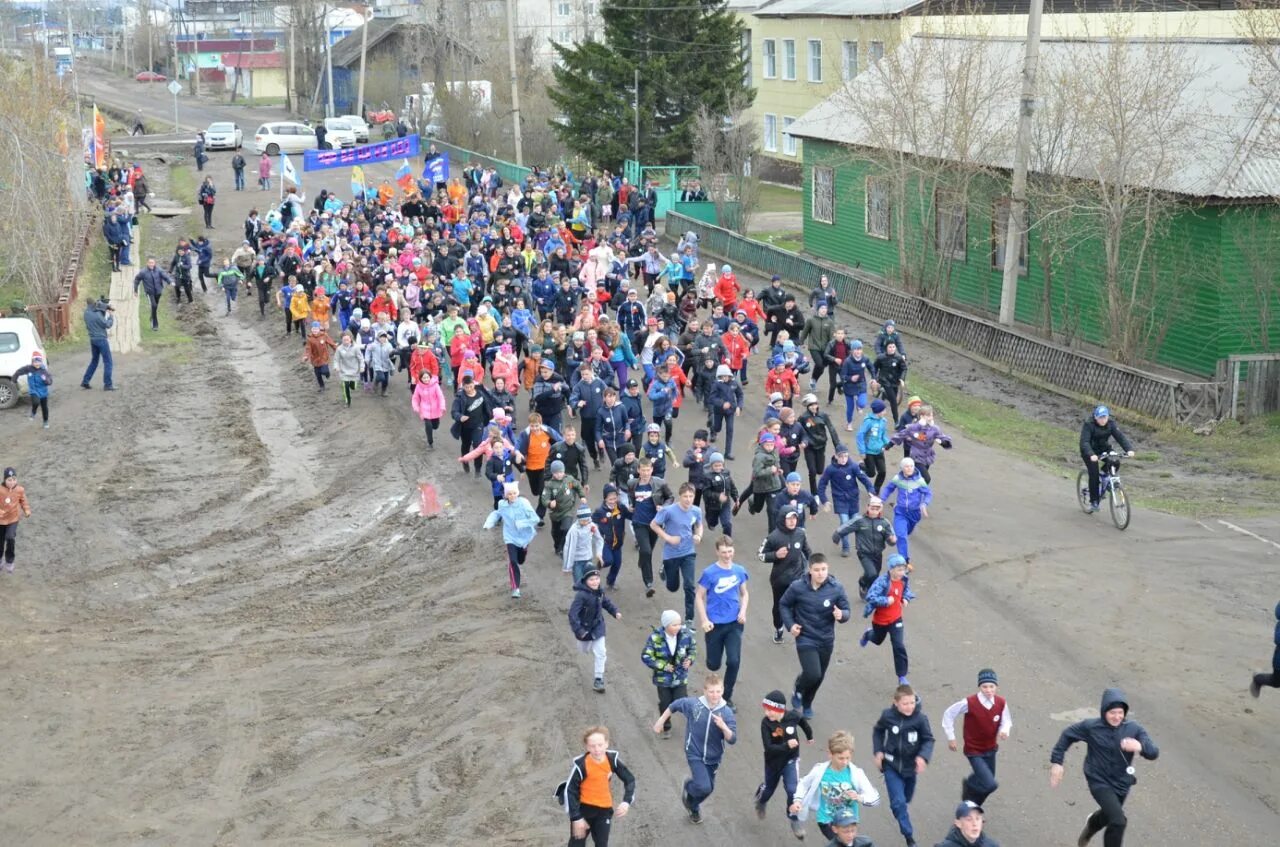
{"points": [[282, 161]]}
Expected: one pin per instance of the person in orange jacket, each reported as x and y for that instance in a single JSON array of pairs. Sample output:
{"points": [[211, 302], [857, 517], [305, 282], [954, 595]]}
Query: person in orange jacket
{"points": [[727, 289], [737, 348], [13, 507]]}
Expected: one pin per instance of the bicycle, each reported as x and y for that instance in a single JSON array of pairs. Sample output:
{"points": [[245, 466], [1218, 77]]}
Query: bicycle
{"points": [[1109, 487]]}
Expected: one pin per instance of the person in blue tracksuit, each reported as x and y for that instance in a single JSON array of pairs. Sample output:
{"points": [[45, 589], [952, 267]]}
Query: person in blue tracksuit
{"points": [[912, 505], [855, 379], [903, 744], [709, 726], [662, 394], [1267, 680], [838, 488], [872, 440], [724, 403], [38, 381], [1113, 740], [611, 426], [631, 404], [811, 608], [544, 293]]}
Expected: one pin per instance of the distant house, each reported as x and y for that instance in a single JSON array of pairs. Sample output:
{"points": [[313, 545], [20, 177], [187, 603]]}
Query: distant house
{"points": [[905, 189], [205, 54], [257, 75]]}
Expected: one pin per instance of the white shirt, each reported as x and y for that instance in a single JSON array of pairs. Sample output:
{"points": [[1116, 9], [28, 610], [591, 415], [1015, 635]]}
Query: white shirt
{"points": [[962, 708]]}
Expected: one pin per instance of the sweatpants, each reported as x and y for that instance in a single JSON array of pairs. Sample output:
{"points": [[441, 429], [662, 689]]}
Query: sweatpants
{"points": [[778, 590], [901, 788], [1110, 818], [725, 642], [599, 821], [701, 782], [9, 537], [870, 569], [668, 694], [894, 631], [612, 558], [348, 386], [41, 405], [904, 523], [788, 773], [719, 514], [813, 670], [597, 649], [645, 539], [873, 464], [515, 558], [428, 424]]}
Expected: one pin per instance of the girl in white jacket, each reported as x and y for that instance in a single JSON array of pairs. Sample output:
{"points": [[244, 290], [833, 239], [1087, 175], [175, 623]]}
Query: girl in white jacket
{"points": [[831, 787]]}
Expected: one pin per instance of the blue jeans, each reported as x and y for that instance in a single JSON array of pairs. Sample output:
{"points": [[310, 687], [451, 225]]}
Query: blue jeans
{"points": [[672, 571], [701, 781], [725, 640], [895, 632], [901, 789], [904, 523], [239, 178], [981, 784], [100, 349], [841, 520]]}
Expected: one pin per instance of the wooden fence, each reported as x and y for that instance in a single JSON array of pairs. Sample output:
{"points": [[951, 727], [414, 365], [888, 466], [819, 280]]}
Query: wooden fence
{"points": [[1074, 371], [53, 321]]}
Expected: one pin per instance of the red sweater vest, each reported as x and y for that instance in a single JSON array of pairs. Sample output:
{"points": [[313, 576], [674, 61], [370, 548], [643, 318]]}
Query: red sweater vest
{"points": [[982, 725]]}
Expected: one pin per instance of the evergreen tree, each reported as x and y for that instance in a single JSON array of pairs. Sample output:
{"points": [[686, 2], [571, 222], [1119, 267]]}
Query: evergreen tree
{"points": [[689, 54]]}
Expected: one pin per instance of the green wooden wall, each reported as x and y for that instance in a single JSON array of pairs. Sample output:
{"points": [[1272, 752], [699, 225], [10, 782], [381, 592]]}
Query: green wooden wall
{"points": [[1214, 293]]}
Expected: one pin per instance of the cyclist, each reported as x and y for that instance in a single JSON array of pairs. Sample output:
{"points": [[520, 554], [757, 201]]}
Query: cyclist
{"points": [[1095, 438]]}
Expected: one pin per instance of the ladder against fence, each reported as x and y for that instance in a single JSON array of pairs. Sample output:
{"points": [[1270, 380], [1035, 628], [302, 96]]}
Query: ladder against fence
{"points": [[1078, 372]]}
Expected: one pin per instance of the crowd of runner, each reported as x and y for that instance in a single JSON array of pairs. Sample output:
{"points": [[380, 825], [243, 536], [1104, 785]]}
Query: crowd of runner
{"points": [[542, 326]]}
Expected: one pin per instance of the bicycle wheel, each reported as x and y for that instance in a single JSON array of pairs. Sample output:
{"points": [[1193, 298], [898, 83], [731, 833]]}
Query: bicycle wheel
{"points": [[1119, 507], [1082, 491]]}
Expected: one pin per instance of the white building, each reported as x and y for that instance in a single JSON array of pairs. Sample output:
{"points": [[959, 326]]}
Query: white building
{"points": [[563, 22]]}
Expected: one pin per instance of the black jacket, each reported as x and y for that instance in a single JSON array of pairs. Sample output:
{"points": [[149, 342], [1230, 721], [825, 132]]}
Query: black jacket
{"points": [[802, 604], [816, 429], [586, 614], [776, 734], [574, 457], [721, 483], [569, 792], [901, 739], [1105, 764], [955, 839], [790, 568], [870, 535], [1094, 439]]}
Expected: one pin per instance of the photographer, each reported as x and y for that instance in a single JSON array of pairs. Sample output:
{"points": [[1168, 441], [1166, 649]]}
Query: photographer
{"points": [[99, 317]]}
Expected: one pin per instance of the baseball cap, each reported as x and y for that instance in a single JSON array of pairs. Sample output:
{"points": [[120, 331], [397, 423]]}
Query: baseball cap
{"points": [[793, 477], [968, 807], [844, 817]]}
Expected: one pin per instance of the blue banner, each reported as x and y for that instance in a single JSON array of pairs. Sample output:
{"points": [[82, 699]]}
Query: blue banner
{"points": [[364, 154], [437, 169]]}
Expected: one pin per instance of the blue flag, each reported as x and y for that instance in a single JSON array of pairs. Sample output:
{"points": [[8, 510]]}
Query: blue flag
{"points": [[437, 169]]}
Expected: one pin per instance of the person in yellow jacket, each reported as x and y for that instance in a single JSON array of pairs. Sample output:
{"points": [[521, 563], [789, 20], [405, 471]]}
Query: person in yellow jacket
{"points": [[300, 308]]}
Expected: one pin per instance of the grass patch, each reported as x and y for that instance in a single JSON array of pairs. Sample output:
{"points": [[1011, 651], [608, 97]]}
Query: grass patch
{"points": [[95, 281], [183, 184], [779, 198], [792, 242], [1251, 448]]}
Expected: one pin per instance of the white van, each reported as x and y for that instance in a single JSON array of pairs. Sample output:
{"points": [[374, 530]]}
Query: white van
{"points": [[18, 340], [283, 137]]}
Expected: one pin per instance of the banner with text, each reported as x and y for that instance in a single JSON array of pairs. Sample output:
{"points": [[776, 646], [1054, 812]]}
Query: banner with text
{"points": [[365, 154]]}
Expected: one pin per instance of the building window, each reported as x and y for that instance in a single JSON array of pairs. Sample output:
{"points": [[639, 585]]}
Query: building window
{"points": [[771, 133], [950, 225], [770, 49], [815, 60], [875, 51], [878, 220], [746, 58], [789, 58], [848, 60], [562, 9], [788, 140], [999, 225], [566, 36], [823, 193]]}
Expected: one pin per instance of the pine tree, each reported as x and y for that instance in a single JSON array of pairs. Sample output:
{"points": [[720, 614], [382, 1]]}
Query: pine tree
{"points": [[689, 54]]}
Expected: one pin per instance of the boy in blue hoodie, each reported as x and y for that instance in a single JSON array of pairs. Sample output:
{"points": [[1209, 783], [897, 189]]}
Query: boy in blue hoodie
{"points": [[38, 381], [709, 726], [1269, 680], [871, 441]]}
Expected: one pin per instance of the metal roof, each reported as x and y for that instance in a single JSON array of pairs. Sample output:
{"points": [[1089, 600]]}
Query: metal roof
{"points": [[1212, 124], [834, 8]]}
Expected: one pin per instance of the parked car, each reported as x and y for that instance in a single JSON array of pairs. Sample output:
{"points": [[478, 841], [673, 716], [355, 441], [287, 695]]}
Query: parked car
{"points": [[150, 76], [284, 137], [339, 134], [18, 340], [358, 126], [224, 136]]}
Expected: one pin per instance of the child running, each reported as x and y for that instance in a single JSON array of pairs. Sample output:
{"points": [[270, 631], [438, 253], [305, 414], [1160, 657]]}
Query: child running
{"points": [[709, 726], [586, 619], [586, 794], [780, 730], [13, 507], [885, 599], [986, 724], [519, 526], [831, 789], [903, 743], [428, 400], [669, 652], [38, 381]]}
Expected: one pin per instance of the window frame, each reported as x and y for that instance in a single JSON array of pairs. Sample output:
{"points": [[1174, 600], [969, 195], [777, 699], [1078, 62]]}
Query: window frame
{"points": [[845, 70], [789, 145], [829, 199], [769, 58], [789, 54], [874, 47], [564, 9], [883, 183], [948, 204], [769, 134], [810, 57], [1000, 223]]}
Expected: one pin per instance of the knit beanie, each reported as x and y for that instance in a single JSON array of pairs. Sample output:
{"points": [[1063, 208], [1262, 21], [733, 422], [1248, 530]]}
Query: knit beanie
{"points": [[669, 617], [775, 700], [987, 675]]}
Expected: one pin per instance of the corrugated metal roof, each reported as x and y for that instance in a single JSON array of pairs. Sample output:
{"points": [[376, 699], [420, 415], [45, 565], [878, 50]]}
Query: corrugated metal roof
{"points": [[835, 8], [1219, 114]]}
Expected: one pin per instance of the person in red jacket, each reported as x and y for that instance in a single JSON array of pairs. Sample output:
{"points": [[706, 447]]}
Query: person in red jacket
{"points": [[986, 724], [737, 348], [423, 359], [727, 289], [781, 379]]}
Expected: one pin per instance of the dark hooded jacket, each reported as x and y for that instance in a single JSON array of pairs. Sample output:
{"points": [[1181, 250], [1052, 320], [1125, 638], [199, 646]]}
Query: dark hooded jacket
{"points": [[586, 614], [956, 839], [1106, 765]]}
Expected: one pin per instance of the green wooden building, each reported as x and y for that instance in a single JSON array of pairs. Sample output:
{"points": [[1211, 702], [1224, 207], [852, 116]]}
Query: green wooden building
{"points": [[1179, 266]]}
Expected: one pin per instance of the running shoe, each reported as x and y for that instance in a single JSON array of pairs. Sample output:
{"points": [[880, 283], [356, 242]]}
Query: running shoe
{"points": [[797, 702], [598, 684], [797, 828], [761, 810], [866, 633], [1254, 689], [515, 593], [777, 636], [648, 590]]}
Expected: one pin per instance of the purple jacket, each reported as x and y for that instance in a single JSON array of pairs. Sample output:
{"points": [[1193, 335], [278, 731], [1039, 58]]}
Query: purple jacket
{"points": [[919, 438]]}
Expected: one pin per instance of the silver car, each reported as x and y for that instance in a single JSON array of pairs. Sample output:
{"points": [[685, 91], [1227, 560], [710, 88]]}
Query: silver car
{"points": [[223, 136], [358, 126]]}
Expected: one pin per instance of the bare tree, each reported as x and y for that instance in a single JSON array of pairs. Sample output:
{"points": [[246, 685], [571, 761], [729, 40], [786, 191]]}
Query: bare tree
{"points": [[42, 189], [724, 147]]}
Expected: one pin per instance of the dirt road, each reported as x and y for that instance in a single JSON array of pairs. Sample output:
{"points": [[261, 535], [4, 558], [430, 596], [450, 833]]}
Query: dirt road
{"points": [[229, 626]]}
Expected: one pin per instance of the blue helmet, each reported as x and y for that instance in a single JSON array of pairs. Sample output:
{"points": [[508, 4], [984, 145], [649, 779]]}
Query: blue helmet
{"points": [[1101, 412]]}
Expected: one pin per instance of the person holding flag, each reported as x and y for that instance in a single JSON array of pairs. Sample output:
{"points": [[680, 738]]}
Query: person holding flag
{"points": [[357, 183], [288, 172], [404, 177]]}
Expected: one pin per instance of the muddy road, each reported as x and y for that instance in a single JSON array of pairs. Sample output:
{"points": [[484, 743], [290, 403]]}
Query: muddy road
{"points": [[229, 625]]}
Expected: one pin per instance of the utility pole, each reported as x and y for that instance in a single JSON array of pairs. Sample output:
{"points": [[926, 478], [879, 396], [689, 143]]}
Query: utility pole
{"points": [[1015, 229], [366, 15], [635, 105], [292, 80], [515, 86], [328, 61], [253, 25]]}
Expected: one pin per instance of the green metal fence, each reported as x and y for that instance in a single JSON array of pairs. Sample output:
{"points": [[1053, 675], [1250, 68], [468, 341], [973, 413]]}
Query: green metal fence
{"points": [[669, 181], [511, 173]]}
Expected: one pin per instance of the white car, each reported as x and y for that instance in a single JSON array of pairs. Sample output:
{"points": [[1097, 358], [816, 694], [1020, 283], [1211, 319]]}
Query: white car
{"points": [[19, 338], [284, 137], [338, 134], [358, 126], [223, 136]]}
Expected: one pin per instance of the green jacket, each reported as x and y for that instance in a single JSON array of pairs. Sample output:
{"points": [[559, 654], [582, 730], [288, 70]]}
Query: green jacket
{"points": [[230, 277], [763, 479], [817, 334], [566, 492]]}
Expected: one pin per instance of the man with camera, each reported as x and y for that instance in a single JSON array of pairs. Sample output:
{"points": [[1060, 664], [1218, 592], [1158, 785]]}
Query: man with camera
{"points": [[99, 317]]}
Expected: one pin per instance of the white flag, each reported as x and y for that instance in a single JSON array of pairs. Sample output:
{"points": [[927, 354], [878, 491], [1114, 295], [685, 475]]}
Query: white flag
{"points": [[288, 171]]}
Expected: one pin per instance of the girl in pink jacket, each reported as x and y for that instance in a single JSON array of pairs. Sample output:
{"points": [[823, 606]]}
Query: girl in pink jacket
{"points": [[428, 402], [506, 365]]}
